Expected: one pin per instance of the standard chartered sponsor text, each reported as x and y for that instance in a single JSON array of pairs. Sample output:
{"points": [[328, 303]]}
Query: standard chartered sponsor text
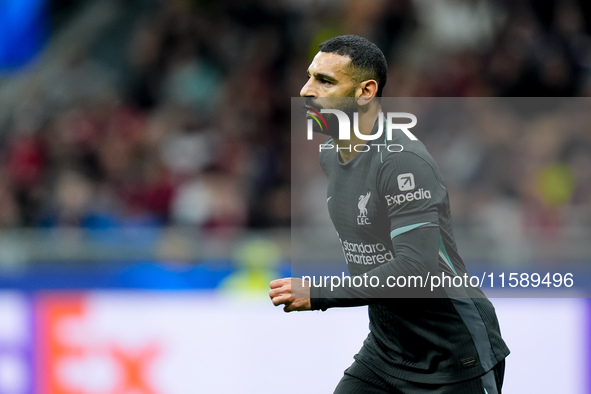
{"points": [[366, 254]]}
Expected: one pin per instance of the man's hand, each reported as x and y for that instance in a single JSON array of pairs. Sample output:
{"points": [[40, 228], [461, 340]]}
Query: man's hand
{"points": [[291, 292]]}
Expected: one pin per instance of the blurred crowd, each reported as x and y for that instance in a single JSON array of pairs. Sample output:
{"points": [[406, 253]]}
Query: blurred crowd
{"points": [[192, 127]]}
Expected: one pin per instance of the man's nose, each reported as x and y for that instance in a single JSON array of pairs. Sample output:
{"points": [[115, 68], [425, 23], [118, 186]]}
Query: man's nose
{"points": [[307, 90]]}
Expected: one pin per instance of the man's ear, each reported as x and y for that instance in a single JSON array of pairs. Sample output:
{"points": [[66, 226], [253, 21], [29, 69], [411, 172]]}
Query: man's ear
{"points": [[366, 91]]}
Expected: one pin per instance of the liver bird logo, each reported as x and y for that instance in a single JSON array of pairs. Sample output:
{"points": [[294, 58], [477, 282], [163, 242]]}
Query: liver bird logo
{"points": [[362, 204]]}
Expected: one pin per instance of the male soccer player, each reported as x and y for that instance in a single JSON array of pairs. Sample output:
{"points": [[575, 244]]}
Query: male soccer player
{"points": [[394, 203]]}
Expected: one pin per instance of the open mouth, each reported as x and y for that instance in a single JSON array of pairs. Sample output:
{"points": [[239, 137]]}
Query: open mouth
{"points": [[312, 110], [310, 104]]}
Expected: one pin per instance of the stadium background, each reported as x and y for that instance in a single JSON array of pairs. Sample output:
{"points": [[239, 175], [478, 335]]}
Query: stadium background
{"points": [[145, 185]]}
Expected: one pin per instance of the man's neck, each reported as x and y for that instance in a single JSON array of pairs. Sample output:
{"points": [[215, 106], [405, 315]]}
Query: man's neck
{"points": [[367, 122]]}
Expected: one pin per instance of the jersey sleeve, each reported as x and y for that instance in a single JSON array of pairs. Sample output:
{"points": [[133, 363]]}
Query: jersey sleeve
{"points": [[412, 194], [411, 189]]}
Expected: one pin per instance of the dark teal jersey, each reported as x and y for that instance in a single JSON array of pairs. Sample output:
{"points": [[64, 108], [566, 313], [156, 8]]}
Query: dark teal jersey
{"points": [[390, 208]]}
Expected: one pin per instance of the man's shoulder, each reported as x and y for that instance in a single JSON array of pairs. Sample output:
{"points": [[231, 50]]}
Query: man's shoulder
{"points": [[407, 152], [411, 158]]}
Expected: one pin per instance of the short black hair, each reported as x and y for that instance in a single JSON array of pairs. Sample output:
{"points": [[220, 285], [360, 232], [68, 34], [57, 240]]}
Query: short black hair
{"points": [[367, 60]]}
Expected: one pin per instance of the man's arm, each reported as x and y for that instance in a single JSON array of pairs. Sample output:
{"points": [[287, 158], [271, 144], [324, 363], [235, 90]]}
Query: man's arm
{"points": [[416, 255]]}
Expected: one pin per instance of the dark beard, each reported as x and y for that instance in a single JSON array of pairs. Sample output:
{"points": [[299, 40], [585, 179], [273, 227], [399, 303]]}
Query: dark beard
{"points": [[331, 128]]}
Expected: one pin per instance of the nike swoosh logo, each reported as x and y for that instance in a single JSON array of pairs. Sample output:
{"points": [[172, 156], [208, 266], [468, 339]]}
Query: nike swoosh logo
{"points": [[328, 199]]}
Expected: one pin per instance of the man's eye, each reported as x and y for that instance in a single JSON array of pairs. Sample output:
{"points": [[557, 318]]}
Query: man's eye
{"points": [[324, 81]]}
